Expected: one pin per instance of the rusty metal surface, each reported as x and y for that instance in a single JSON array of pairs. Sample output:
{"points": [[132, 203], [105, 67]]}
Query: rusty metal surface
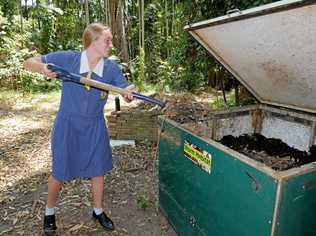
{"points": [[273, 55]]}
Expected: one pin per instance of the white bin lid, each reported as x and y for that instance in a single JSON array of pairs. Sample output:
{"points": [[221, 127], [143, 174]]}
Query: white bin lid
{"points": [[270, 49]]}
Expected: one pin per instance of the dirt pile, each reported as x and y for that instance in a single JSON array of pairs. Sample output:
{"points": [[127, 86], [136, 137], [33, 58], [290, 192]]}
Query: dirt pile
{"points": [[182, 109]]}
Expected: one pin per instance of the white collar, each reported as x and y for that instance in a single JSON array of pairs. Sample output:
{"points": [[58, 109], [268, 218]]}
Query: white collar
{"points": [[84, 65]]}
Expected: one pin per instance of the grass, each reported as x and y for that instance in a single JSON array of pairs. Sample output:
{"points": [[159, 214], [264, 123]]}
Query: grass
{"points": [[220, 103], [230, 98], [143, 202]]}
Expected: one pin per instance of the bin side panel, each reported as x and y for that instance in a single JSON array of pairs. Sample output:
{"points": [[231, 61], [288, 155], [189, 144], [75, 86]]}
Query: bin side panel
{"points": [[298, 206], [171, 184], [234, 126], [294, 134], [233, 199]]}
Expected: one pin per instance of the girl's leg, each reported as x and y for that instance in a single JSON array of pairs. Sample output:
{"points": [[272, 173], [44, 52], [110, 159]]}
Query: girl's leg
{"points": [[97, 191], [98, 213], [53, 191]]}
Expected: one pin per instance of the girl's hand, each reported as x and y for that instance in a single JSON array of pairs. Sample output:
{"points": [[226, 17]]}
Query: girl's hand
{"points": [[129, 97], [47, 72]]}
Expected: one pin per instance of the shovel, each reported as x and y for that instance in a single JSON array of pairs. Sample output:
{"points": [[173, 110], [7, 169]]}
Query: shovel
{"points": [[68, 76]]}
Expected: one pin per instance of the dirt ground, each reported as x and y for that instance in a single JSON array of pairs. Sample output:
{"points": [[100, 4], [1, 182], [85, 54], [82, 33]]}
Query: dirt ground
{"points": [[131, 189]]}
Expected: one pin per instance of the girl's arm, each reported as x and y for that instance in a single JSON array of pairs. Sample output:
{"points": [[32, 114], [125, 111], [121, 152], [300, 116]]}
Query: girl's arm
{"points": [[35, 64]]}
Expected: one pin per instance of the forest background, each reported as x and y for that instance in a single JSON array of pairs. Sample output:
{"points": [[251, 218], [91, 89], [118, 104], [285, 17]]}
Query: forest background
{"points": [[150, 43]]}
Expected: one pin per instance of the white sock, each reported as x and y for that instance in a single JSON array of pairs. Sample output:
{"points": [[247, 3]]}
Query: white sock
{"points": [[49, 211], [97, 211]]}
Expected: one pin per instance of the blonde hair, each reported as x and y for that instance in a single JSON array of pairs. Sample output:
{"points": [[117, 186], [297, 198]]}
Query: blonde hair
{"points": [[92, 32]]}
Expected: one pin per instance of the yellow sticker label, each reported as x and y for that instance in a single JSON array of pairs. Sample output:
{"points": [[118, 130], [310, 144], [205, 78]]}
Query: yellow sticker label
{"points": [[200, 157]]}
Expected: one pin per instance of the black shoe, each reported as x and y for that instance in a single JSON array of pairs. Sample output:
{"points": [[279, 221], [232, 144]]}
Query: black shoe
{"points": [[105, 221], [49, 226]]}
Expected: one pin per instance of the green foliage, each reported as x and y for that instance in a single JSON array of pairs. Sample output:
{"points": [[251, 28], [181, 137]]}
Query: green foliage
{"points": [[13, 52], [220, 103], [165, 75], [138, 70], [45, 35], [171, 59], [9, 8], [142, 202], [179, 62], [68, 34], [247, 99]]}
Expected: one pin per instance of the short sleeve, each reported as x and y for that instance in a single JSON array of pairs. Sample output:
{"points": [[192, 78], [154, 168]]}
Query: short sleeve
{"points": [[118, 78], [59, 58]]}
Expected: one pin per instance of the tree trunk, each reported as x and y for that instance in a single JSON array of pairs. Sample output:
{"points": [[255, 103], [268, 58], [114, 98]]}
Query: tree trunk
{"points": [[167, 25], [172, 19], [117, 23], [122, 32], [33, 27], [25, 9], [21, 15], [105, 12], [87, 12], [223, 89], [38, 19], [109, 13], [236, 85], [113, 7], [143, 25], [141, 37], [100, 11]]}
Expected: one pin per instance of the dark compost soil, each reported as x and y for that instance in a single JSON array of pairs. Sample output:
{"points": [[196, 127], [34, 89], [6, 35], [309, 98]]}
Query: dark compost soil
{"points": [[270, 151]]}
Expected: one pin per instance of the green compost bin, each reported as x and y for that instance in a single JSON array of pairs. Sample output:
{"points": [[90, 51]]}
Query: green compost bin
{"points": [[213, 190], [206, 188]]}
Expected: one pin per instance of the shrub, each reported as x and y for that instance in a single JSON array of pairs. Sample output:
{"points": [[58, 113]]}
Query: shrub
{"points": [[13, 52]]}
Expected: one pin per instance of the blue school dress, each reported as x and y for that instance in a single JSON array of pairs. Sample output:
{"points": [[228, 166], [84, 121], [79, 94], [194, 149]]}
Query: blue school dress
{"points": [[80, 141]]}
